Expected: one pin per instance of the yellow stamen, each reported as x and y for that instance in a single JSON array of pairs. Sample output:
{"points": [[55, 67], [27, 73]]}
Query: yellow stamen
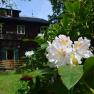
{"points": [[74, 59]]}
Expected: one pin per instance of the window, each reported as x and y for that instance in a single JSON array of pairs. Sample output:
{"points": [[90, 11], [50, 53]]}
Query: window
{"points": [[20, 29], [9, 13], [42, 29]]}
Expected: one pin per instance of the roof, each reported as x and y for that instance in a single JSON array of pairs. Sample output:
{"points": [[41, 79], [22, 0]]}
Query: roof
{"points": [[32, 19], [25, 19], [9, 9]]}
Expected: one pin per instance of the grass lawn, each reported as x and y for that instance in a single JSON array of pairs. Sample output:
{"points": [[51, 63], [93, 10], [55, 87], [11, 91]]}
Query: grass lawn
{"points": [[9, 82]]}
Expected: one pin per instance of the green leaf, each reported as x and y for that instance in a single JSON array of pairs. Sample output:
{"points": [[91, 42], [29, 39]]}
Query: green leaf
{"points": [[72, 7], [89, 63], [44, 45], [70, 75], [76, 6], [39, 40], [65, 21], [38, 72], [41, 72], [68, 7]]}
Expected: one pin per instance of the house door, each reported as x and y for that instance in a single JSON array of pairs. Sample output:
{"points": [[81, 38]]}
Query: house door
{"points": [[0, 30], [10, 54]]}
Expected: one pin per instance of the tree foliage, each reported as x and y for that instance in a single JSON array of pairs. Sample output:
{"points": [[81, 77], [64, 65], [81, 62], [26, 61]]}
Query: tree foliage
{"points": [[9, 3], [57, 6], [75, 20]]}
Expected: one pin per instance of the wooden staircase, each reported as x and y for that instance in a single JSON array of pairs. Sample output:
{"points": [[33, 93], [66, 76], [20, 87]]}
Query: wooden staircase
{"points": [[10, 64]]}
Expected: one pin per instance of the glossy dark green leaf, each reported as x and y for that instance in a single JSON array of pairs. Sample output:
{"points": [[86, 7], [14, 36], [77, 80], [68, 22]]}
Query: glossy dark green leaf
{"points": [[89, 63]]}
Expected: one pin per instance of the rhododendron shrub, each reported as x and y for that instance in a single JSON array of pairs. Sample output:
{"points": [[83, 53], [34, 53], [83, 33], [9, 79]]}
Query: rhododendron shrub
{"points": [[67, 63], [64, 62]]}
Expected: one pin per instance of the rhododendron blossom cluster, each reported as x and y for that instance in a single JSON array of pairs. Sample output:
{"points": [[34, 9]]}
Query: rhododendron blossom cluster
{"points": [[29, 53], [63, 51]]}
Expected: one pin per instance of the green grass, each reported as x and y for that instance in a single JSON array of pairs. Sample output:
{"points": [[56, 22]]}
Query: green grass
{"points": [[9, 83]]}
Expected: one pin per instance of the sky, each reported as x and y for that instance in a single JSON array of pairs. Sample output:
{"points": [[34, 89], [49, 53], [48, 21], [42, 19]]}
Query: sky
{"points": [[34, 8]]}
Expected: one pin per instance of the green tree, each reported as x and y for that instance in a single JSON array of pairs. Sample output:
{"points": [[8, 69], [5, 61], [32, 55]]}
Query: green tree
{"points": [[8, 4], [57, 7], [75, 20]]}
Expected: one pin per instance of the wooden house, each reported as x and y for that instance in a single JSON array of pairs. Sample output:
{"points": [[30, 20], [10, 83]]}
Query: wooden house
{"points": [[13, 30]]}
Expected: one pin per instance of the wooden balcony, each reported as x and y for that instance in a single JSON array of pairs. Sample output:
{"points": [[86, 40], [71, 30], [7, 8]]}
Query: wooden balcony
{"points": [[10, 64], [11, 36]]}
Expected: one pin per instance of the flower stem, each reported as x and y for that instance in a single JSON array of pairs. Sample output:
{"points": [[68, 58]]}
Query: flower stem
{"points": [[91, 89], [71, 90]]}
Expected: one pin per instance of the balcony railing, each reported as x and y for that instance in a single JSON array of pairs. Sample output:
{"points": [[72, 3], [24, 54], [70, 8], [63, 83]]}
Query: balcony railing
{"points": [[11, 36]]}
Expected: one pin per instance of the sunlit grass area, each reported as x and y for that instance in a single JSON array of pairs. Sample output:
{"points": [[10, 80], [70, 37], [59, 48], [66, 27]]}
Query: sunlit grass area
{"points": [[9, 82]]}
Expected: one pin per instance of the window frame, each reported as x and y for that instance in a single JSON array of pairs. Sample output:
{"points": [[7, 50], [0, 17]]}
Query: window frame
{"points": [[9, 13], [21, 29]]}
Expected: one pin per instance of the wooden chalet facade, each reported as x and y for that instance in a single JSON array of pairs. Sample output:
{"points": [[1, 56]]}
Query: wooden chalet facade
{"points": [[13, 30]]}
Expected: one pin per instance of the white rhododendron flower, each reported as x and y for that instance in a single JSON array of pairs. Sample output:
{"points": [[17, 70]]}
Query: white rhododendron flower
{"points": [[29, 53], [59, 51], [81, 47], [40, 35], [80, 50], [63, 51], [59, 56]]}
